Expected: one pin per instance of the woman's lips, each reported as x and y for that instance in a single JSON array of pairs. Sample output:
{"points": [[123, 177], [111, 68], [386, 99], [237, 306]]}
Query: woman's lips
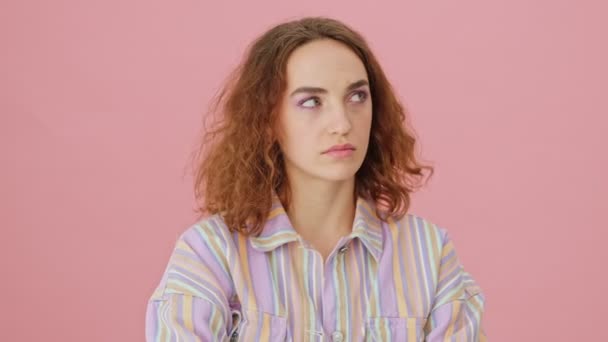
{"points": [[340, 151], [340, 148]]}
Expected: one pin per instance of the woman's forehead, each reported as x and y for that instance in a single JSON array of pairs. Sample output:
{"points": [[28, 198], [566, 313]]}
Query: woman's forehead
{"points": [[324, 63]]}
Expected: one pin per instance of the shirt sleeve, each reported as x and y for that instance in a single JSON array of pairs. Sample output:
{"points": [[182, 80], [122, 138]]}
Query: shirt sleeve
{"points": [[191, 301], [458, 304]]}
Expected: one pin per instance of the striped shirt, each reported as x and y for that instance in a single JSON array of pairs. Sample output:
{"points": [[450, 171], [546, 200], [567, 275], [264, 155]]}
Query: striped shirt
{"points": [[398, 280]]}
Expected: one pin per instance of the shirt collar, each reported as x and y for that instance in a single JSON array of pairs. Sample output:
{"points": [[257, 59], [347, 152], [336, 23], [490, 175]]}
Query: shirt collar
{"points": [[278, 230]]}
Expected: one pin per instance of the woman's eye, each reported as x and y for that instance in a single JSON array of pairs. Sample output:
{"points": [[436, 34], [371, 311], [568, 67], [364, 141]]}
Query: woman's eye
{"points": [[310, 103], [359, 96]]}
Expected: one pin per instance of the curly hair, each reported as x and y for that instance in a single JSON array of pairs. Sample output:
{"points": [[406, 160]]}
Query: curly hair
{"points": [[239, 164]]}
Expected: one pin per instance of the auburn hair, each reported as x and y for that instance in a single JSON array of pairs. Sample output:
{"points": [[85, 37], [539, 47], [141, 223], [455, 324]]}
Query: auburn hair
{"points": [[239, 163]]}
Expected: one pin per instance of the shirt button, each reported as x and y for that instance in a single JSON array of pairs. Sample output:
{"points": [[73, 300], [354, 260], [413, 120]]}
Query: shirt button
{"points": [[342, 249], [337, 336]]}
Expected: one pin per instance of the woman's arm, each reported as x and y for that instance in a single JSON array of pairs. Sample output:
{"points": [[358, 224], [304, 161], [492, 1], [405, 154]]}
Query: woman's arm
{"points": [[172, 319], [191, 302], [459, 303]]}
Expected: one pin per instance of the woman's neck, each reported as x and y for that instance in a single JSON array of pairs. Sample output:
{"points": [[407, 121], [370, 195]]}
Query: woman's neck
{"points": [[322, 212]]}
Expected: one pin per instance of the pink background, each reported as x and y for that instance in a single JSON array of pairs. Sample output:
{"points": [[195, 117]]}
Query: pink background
{"points": [[101, 104]]}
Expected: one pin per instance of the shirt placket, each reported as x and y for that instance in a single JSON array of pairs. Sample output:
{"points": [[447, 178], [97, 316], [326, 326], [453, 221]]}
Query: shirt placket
{"points": [[332, 302]]}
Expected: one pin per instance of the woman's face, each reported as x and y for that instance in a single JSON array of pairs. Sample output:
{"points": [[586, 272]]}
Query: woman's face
{"points": [[327, 102]]}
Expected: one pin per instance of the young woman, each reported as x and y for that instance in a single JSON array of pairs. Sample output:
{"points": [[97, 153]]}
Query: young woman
{"points": [[304, 234]]}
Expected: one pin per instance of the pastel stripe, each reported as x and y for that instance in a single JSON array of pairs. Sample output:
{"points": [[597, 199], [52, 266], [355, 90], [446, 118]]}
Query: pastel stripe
{"points": [[399, 280]]}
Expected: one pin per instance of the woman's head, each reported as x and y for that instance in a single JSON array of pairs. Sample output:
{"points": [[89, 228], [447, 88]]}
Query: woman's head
{"points": [[303, 87], [326, 104]]}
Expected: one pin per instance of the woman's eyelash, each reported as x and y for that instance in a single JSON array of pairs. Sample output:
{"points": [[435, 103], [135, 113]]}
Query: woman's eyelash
{"points": [[361, 93], [308, 99]]}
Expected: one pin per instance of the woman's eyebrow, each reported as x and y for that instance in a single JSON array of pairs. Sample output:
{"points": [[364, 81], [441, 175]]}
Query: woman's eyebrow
{"points": [[317, 90]]}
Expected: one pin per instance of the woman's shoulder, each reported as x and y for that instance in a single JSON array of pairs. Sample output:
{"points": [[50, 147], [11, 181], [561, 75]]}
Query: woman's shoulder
{"points": [[417, 227], [200, 258], [207, 232]]}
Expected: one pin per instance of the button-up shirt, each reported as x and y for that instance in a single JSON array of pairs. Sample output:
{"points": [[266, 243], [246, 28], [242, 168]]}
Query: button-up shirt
{"points": [[392, 280]]}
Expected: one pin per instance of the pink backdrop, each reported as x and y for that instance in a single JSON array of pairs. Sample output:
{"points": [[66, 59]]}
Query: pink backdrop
{"points": [[101, 104]]}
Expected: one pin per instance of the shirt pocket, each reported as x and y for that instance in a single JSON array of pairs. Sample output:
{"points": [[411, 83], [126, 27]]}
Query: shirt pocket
{"points": [[259, 326], [410, 329]]}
